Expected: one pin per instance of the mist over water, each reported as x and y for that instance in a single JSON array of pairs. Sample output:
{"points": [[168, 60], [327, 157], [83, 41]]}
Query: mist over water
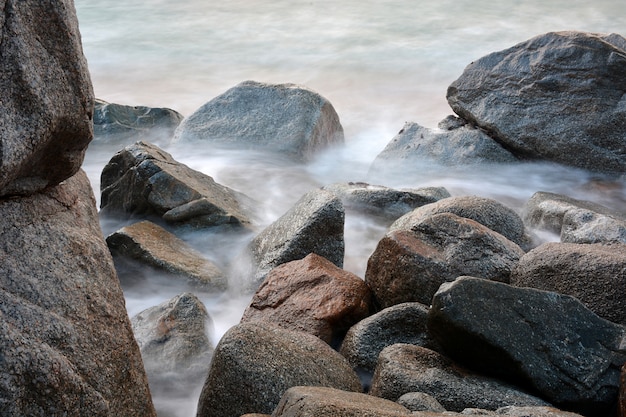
{"points": [[380, 64]]}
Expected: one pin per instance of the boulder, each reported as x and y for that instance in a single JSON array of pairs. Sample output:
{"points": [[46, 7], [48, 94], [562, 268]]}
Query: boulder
{"points": [[401, 323], [311, 295], [404, 368], [411, 265], [486, 211], [420, 401], [556, 91], [331, 402], [118, 123], [514, 411], [66, 343], [586, 226], [46, 95], [284, 118], [173, 340], [313, 225], [142, 180], [593, 273], [149, 244], [384, 202], [449, 145], [548, 342], [255, 363], [547, 210]]}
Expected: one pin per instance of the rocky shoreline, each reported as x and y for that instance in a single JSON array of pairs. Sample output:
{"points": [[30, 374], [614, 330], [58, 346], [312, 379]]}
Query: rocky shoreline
{"points": [[462, 310]]}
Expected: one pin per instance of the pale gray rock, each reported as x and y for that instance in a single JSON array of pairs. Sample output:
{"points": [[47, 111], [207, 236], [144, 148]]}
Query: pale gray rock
{"points": [[46, 95], [586, 226], [284, 118], [558, 97], [420, 401], [255, 363], [149, 244], [66, 343], [550, 342]]}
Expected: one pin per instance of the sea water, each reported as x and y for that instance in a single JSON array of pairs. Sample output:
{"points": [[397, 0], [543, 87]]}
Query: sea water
{"points": [[380, 63]]}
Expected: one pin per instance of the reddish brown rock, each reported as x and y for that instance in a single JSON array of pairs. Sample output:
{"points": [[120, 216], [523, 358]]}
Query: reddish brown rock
{"points": [[311, 295]]}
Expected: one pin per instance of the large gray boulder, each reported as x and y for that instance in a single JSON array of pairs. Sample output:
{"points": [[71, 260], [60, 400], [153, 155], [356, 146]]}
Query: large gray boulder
{"points": [[46, 95], [586, 226], [313, 225], [147, 244], [546, 341], [558, 97], [593, 273], [117, 123], [404, 368], [66, 344], [255, 363], [142, 180], [410, 266], [452, 144], [284, 118]]}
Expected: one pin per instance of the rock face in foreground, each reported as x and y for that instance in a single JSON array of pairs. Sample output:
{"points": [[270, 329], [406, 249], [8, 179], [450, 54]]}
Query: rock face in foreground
{"points": [[547, 341], [284, 118], [46, 95], [144, 180], [553, 92], [66, 345], [255, 363]]}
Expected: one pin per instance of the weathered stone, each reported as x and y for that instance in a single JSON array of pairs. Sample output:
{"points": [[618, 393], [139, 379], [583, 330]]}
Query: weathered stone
{"points": [[255, 363], [404, 368], [420, 401], [454, 145], [115, 123], [284, 118], [46, 95], [311, 295], [547, 341], [173, 339], [411, 265], [593, 273], [66, 344], [556, 91], [401, 323], [143, 180], [513, 411], [486, 211], [330, 402], [547, 210], [150, 244], [585, 226], [313, 225], [384, 202]]}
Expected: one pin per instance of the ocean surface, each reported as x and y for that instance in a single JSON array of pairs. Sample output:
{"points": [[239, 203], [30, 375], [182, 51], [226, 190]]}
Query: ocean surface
{"points": [[380, 64]]}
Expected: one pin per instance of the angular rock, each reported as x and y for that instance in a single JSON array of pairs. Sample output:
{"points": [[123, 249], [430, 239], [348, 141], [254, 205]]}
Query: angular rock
{"points": [[143, 180], [556, 91], [330, 402], [66, 344], [46, 95], [406, 368], [585, 226], [284, 118], [593, 273], [172, 338], [453, 145], [255, 363], [419, 401], [410, 266], [150, 244], [486, 211], [384, 202], [546, 210], [547, 341], [313, 225], [311, 295], [114, 123], [401, 323]]}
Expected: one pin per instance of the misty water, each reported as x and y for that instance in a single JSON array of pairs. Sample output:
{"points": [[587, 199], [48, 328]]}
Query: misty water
{"points": [[380, 64]]}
